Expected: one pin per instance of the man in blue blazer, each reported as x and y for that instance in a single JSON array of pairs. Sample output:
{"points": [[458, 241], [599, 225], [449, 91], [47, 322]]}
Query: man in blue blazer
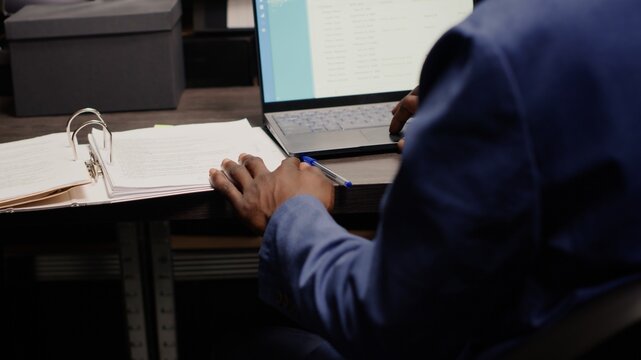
{"points": [[518, 197]]}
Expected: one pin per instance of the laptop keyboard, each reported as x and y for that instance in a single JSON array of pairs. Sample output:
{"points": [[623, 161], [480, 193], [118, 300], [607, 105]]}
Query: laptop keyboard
{"points": [[335, 119]]}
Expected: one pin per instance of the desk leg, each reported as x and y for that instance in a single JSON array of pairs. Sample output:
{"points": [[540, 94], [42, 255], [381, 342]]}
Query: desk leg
{"points": [[159, 236], [148, 290], [131, 262], [5, 343]]}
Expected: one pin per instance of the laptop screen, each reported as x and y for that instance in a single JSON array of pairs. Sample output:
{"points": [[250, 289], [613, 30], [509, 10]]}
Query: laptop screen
{"points": [[314, 49]]}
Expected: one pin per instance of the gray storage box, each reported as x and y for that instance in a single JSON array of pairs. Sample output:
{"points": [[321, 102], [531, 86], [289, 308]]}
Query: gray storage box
{"points": [[117, 55]]}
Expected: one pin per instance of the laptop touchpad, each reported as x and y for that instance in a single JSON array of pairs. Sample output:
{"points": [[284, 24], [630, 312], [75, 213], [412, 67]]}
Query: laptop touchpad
{"points": [[379, 135], [337, 139]]}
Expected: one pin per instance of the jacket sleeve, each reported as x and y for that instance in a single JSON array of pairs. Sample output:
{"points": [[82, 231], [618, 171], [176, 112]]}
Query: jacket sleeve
{"points": [[456, 225]]}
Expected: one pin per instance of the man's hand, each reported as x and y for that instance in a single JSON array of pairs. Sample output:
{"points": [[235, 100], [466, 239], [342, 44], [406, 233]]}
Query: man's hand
{"points": [[256, 193], [405, 109]]}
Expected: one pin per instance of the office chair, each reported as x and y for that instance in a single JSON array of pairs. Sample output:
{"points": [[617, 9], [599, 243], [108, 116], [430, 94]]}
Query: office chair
{"points": [[608, 327]]}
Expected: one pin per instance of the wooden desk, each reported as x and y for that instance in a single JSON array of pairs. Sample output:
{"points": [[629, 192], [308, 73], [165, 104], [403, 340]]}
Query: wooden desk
{"points": [[144, 226]]}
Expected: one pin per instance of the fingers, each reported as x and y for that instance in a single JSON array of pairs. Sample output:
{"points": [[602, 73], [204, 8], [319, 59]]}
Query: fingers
{"points": [[404, 110], [243, 172], [255, 165], [399, 104], [305, 167], [292, 163], [237, 173], [220, 182], [399, 119], [401, 145], [396, 107]]}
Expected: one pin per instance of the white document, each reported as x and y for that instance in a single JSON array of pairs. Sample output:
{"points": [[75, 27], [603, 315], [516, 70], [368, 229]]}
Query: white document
{"points": [[38, 167], [177, 159]]}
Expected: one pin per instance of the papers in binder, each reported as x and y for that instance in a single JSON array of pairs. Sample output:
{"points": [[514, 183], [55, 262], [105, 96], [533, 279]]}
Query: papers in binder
{"points": [[54, 171], [38, 168], [172, 160]]}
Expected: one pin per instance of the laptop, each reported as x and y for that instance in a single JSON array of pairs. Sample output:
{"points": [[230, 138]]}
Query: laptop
{"points": [[331, 71]]}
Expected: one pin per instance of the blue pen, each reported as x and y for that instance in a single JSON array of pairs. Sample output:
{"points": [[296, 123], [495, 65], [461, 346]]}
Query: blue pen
{"points": [[329, 173]]}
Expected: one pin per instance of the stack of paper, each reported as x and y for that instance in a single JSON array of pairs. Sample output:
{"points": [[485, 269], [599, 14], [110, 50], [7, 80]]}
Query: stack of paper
{"points": [[174, 160], [38, 168]]}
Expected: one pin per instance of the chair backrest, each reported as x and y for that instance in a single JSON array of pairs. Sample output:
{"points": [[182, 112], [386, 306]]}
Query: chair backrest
{"points": [[583, 332]]}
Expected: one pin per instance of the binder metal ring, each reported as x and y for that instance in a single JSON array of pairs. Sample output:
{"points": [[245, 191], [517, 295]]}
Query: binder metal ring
{"points": [[74, 141], [80, 112]]}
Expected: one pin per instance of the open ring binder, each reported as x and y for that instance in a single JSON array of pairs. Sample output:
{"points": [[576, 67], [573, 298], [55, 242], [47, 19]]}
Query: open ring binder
{"points": [[156, 162], [49, 154]]}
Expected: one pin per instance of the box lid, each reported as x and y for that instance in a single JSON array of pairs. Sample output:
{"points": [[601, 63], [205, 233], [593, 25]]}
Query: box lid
{"points": [[92, 18]]}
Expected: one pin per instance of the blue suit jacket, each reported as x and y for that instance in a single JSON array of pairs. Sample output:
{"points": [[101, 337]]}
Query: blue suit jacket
{"points": [[518, 196]]}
